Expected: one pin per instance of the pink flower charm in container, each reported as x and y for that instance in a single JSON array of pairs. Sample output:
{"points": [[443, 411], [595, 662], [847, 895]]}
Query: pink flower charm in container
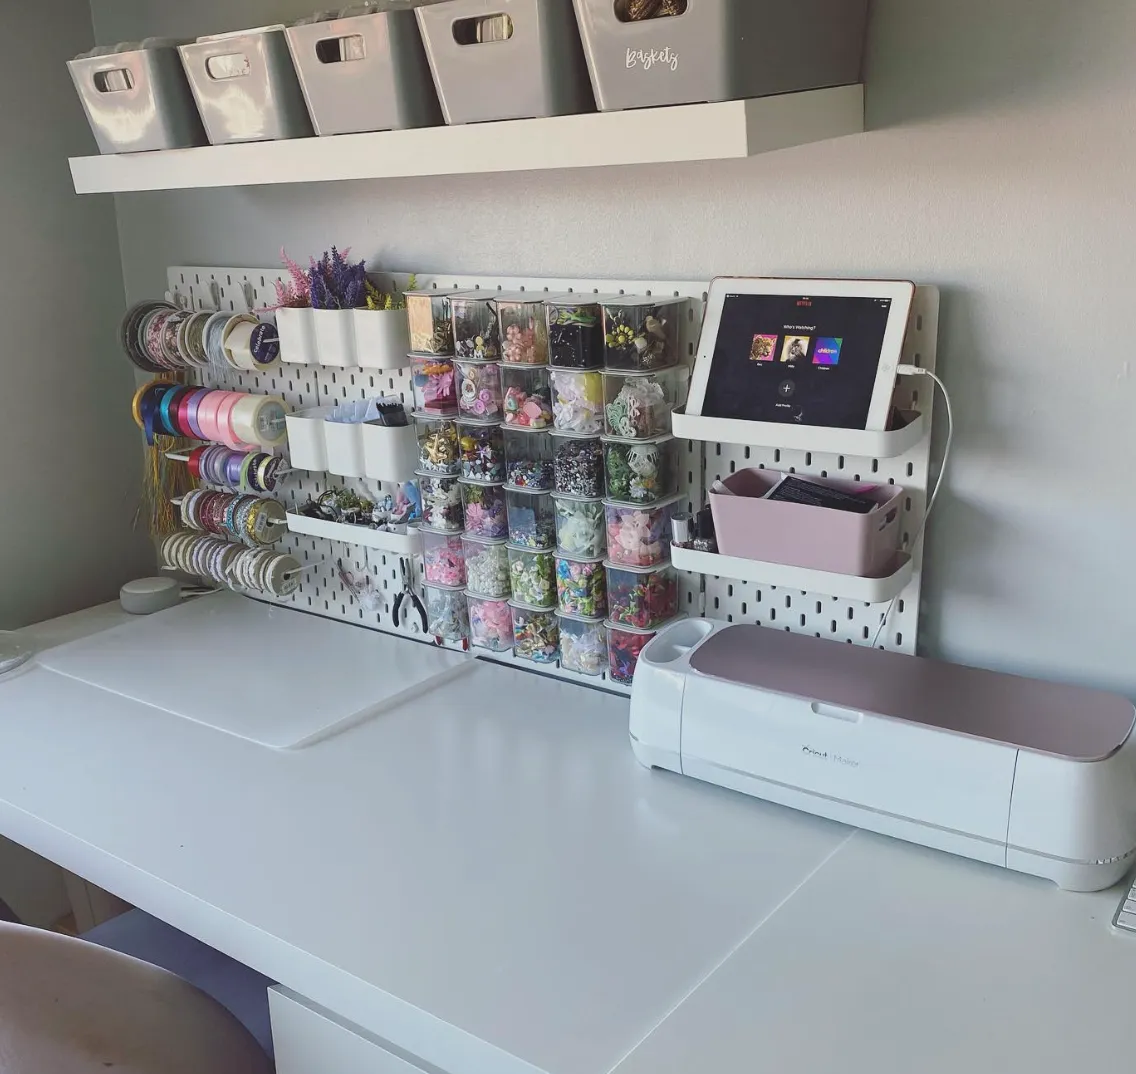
{"points": [[444, 559], [524, 332], [479, 391]]}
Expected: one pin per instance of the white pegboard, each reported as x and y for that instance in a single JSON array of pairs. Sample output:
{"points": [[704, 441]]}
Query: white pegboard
{"points": [[322, 593]]}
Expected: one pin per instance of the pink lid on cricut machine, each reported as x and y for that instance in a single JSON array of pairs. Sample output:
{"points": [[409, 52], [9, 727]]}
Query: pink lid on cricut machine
{"points": [[1073, 722]]}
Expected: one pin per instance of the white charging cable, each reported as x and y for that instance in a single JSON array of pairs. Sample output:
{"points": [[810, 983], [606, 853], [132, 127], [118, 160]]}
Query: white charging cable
{"points": [[916, 371]]}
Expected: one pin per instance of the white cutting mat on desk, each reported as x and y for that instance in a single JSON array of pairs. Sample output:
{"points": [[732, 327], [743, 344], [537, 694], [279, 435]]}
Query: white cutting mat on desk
{"points": [[217, 660]]}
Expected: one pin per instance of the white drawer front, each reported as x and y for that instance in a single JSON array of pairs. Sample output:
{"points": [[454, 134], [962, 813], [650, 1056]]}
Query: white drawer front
{"points": [[310, 1042]]}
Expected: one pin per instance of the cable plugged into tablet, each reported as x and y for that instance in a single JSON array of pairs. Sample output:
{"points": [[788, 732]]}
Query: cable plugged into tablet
{"points": [[919, 371]]}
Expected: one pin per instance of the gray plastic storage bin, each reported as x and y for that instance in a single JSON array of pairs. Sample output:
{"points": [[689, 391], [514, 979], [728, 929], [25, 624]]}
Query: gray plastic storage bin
{"points": [[138, 100], [365, 73], [505, 59], [246, 87], [718, 50]]}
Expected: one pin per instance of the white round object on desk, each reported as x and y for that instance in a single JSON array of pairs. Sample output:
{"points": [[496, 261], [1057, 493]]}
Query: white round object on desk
{"points": [[149, 595]]}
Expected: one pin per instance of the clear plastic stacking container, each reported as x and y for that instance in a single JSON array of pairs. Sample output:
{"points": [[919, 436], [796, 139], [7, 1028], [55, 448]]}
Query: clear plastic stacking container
{"points": [[583, 645], [536, 634], [575, 333], [487, 568], [641, 472], [446, 613]]}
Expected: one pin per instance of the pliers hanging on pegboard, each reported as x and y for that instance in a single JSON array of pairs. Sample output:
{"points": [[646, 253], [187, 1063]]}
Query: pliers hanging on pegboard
{"points": [[407, 605]]}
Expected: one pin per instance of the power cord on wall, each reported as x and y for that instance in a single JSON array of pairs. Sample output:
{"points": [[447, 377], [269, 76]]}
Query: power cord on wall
{"points": [[916, 371]]}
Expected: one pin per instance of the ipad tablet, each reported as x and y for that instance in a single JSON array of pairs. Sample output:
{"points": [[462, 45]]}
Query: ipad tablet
{"points": [[807, 352]]}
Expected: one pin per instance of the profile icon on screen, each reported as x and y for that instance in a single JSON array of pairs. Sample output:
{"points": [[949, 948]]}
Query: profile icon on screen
{"points": [[796, 349]]}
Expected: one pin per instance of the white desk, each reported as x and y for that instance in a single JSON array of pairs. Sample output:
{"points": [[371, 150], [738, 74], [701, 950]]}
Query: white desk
{"points": [[507, 891]]}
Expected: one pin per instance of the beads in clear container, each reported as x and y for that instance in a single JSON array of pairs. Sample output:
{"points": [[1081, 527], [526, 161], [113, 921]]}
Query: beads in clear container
{"points": [[476, 335], [624, 647], [536, 634], [444, 559], [490, 623], [434, 386], [484, 505], [583, 645], [575, 334], [533, 576], [577, 401], [428, 318], [479, 391], [641, 333], [446, 613], [532, 519], [644, 598], [642, 471], [578, 465], [528, 460], [581, 587], [487, 568], [527, 398], [638, 407], [437, 446], [639, 536], [482, 451], [441, 503], [581, 527], [524, 334]]}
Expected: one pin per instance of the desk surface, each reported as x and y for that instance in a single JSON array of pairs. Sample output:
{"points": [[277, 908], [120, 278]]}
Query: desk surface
{"points": [[503, 889]]}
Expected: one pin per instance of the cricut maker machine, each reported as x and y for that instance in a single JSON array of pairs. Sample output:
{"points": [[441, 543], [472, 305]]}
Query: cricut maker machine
{"points": [[1032, 776]]}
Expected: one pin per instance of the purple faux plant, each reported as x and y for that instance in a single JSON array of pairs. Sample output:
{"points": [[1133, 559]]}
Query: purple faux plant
{"points": [[337, 284]]}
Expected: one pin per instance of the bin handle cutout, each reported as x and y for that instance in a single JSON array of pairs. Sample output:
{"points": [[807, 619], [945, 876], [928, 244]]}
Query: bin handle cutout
{"points": [[643, 10], [889, 520], [228, 65], [115, 81], [483, 29], [341, 49]]}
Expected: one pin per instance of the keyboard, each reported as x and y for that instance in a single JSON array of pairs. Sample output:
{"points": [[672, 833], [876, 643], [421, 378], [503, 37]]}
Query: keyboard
{"points": [[1125, 919]]}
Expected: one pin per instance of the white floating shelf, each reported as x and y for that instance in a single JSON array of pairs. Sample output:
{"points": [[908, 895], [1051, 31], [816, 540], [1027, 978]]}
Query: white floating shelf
{"points": [[403, 544], [844, 586], [857, 442], [725, 131]]}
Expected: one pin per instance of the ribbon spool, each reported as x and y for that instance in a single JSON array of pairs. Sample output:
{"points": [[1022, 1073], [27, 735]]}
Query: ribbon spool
{"points": [[231, 565], [158, 337], [250, 520], [256, 471], [240, 421]]}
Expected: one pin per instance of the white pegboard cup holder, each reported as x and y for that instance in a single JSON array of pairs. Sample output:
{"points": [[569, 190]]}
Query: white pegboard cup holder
{"points": [[800, 535], [335, 337], [390, 453], [307, 442], [297, 336], [344, 339]]}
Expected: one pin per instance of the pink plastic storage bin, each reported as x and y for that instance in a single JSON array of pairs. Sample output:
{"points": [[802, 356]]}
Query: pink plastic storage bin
{"points": [[816, 538]]}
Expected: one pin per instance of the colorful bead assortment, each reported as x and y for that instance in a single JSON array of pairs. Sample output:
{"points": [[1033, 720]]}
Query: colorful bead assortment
{"points": [[528, 397], [524, 336], [444, 559], [638, 537], [581, 527], [641, 336], [642, 599], [532, 519], [575, 336], [482, 449], [533, 577], [438, 447], [485, 514], [641, 473], [577, 402], [624, 649], [581, 588], [490, 623], [583, 645], [441, 503], [638, 407], [578, 466], [476, 335], [446, 613], [479, 391], [528, 460], [487, 568], [435, 388], [536, 635]]}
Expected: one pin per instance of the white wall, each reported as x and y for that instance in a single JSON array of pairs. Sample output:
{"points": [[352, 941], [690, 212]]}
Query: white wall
{"points": [[69, 454], [1000, 165]]}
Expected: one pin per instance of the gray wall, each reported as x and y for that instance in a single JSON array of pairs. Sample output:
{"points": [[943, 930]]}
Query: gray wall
{"points": [[69, 455], [1000, 165]]}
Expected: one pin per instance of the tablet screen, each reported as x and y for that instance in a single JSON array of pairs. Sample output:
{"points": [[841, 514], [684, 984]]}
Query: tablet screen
{"points": [[795, 358]]}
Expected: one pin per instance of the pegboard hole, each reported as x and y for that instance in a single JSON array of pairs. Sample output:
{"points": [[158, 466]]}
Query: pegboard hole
{"points": [[900, 607], [717, 604], [802, 620], [772, 614], [832, 626], [910, 469], [899, 639], [840, 463], [808, 458], [747, 451], [777, 455], [729, 591]]}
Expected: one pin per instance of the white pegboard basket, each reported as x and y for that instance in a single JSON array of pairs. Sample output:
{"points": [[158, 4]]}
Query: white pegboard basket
{"points": [[779, 606]]}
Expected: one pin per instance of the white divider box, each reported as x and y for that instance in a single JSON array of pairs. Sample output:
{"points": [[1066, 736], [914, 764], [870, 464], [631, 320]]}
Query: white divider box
{"points": [[297, 336], [719, 50], [505, 59], [364, 73], [138, 100], [390, 453], [307, 443], [246, 87]]}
